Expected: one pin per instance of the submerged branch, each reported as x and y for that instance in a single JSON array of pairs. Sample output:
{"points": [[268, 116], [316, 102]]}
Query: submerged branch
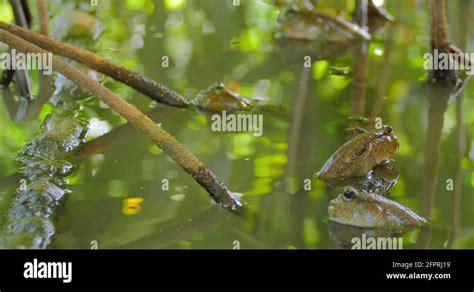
{"points": [[438, 97], [381, 90], [181, 231], [460, 130], [23, 19], [297, 121], [154, 90], [96, 145], [460, 148], [115, 136], [361, 71], [188, 161]]}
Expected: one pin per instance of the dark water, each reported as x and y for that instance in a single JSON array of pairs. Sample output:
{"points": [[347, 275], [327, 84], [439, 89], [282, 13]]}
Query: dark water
{"points": [[213, 41]]}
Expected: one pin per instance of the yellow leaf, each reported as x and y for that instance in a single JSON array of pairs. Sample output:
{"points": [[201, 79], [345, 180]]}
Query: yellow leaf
{"points": [[131, 206]]}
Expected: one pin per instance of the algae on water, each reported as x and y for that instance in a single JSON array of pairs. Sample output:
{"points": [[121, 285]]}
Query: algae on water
{"points": [[44, 166]]}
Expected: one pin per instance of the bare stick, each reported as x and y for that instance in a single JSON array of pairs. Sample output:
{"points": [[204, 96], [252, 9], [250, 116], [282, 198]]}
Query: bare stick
{"points": [[361, 71], [190, 163], [43, 16], [154, 90]]}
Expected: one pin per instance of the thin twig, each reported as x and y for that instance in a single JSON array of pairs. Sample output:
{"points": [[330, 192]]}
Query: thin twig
{"points": [[188, 161], [459, 89]]}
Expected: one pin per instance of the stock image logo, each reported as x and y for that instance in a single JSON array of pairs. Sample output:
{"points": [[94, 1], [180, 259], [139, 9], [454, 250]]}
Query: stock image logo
{"points": [[459, 61], [232, 122], [131, 129], [15, 60], [369, 242]]}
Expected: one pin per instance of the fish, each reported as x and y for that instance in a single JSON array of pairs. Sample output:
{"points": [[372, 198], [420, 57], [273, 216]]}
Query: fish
{"points": [[218, 98], [358, 156], [371, 210]]}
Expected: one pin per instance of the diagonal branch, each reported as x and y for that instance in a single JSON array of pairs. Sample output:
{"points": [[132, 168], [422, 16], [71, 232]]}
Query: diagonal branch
{"points": [[188, 161], [153, 89]]}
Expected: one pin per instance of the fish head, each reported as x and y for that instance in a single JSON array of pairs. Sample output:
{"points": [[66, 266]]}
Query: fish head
{"points": [[352, 207], [384, 144], [369, 210], [218, 98]]}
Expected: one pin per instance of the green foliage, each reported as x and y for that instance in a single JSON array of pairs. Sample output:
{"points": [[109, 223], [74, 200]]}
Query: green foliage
{"points": [[213, 41]]}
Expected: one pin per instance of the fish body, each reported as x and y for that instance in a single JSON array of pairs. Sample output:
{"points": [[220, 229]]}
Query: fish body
{"points": [[370, 210], [218, 98], [358, 156]]}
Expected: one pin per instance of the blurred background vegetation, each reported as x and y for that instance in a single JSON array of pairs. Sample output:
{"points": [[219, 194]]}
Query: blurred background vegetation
{"points": [[214, 41]]}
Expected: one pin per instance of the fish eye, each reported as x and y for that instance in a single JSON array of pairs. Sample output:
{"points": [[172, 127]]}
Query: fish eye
{"points": [[349, 194], [388, 130]]}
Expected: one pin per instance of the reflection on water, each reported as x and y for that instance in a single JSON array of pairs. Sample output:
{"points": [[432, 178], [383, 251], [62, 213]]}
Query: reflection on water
{"points": [[267, 170]]}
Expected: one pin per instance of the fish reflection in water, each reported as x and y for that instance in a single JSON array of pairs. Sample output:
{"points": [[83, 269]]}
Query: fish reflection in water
{"points": [[218, 98], [317, 34], [371, 210], [378, 180], [347, 236], [354, 213]]}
